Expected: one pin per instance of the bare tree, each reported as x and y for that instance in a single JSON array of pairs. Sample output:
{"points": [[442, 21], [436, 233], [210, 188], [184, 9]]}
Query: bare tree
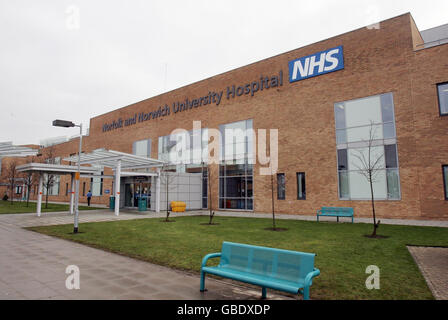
{"points": [[30, 179], [167, 180], [369, 166], [11, 175], [49, 179]]}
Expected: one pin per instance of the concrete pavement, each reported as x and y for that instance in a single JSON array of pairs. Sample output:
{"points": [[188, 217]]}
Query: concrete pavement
{"points": [[32, 266]]}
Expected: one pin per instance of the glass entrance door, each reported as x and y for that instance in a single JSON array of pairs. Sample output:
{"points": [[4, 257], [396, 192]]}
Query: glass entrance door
{"points": [[129, 195], [135, 191]]}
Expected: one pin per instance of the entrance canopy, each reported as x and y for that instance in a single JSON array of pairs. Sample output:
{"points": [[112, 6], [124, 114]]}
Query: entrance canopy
{"points": [[119, 161], [7, 149], [56, 169], [110, 158]]}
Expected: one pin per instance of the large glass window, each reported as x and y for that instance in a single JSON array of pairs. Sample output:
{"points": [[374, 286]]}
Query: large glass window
{"points": [[442, 90], [236, 166], [281, 186], [96, 186], [188, 148], [142, 148], [359, 124], [445, 180], [53, 182]]}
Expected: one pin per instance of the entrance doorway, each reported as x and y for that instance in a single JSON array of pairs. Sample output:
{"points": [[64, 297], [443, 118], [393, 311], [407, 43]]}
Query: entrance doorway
{"points": [[139, 189]]}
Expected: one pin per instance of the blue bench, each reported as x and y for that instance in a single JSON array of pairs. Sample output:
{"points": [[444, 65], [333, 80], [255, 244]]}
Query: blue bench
{"points": [[283, 270], [335, 212]]}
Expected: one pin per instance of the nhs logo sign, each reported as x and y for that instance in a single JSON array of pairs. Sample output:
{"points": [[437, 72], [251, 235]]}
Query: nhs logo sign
{"points": [[316, 64]]}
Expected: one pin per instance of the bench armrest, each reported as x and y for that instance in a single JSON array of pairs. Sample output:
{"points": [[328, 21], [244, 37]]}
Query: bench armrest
{"points": [[310, 276], [209, 256], [319, 211]]}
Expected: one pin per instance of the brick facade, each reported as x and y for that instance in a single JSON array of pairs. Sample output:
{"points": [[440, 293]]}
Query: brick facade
{"points": [[377, 61]]}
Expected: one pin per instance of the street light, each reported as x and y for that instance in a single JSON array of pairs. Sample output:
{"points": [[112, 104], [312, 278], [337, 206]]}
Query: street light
{"points": [[69, 124]]}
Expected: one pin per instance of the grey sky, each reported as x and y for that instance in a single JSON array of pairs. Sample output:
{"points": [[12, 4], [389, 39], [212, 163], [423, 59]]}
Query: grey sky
{"points": [[54, 65]]}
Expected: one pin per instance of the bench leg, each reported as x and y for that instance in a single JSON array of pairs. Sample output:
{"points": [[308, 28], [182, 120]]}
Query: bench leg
{"points": [[317, 218], [338, 219], [202, 286], [306, 293], [263, 293]]}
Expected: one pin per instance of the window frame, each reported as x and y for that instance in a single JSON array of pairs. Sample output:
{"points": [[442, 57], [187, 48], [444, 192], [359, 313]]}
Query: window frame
{"points": [[445, 178], [385, 141], [304, 185], [438, 98]]}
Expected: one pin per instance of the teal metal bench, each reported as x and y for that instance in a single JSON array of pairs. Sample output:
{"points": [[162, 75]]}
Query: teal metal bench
{"points": [[283, 270], [335, 212]]}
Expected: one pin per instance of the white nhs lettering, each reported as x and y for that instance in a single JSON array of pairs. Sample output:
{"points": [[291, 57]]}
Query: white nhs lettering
{"points": [[317, 64]]}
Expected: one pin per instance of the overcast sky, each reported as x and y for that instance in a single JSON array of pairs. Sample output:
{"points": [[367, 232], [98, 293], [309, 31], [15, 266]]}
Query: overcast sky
{"points": [[75, 60]]}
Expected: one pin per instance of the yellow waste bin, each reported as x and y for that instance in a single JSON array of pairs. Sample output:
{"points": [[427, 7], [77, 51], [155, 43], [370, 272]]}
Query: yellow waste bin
{"points": [[178, 206]]}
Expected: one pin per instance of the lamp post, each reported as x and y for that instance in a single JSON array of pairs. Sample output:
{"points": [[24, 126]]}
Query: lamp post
{"points": [[69, 124]]}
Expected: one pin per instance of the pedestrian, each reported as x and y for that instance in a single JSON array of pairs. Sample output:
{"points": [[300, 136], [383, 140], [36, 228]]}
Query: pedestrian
{"points": [[89, 196]]}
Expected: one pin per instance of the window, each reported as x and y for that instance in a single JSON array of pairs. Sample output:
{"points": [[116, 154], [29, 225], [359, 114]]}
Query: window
{"points": [[445, 180], [204, 187], [281, 188], [184, 148], [353, 123], [18, 189], [442, 90], [52, 182], [142, 148], [83, 188], [236, 166], [96, 185], [301, 190]]}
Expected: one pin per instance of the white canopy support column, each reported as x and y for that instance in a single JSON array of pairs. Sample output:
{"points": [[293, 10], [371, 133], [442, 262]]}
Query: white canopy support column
{"points": [[158, 190], [117, 187], [72, 193], [39, 194]]}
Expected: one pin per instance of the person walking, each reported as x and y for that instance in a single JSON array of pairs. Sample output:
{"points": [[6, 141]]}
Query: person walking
{"points": [[89, 196]]}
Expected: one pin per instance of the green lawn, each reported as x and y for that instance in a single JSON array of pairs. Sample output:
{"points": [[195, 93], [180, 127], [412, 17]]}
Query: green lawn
{"points": [[343, 253], [20, 207]]}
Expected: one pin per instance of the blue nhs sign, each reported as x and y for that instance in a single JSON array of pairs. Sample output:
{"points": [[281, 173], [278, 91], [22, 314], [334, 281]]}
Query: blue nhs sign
{"points": [[316, 64]]}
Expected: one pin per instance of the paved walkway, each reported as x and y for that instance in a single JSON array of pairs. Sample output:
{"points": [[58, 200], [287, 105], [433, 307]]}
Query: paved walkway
{"points": [[433, 264], [32, 266]]}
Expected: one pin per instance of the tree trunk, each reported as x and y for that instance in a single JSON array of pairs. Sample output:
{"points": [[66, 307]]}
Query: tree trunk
{"points": [[375, 226], [46, 198], [273, 211], [12, 194], [167, 202], [28, 195], [209, 198]]}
